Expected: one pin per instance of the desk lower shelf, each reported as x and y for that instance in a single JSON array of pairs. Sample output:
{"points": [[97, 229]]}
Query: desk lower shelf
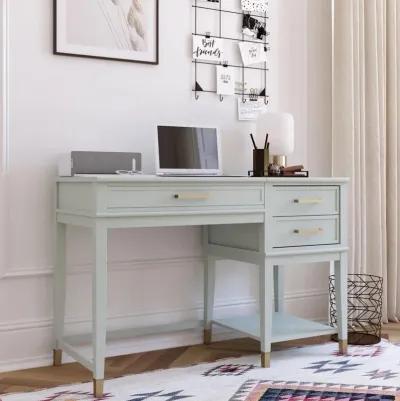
{"points": [[284, 327]]}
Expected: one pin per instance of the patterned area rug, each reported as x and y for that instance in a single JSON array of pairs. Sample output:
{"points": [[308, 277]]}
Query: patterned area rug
{"points": [[314, 373], [257, 390]]}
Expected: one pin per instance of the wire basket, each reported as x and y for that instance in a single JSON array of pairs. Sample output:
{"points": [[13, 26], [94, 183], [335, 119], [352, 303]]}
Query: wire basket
{"points": [[364, 308]]}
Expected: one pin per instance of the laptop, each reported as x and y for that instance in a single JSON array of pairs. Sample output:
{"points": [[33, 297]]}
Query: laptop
{"points": [[187, 151]]}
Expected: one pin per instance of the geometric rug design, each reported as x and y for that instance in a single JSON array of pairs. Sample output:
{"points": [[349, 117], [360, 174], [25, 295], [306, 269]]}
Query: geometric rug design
{"points": [[333, 366], [365, 351], [73, 396], [381, 374], [158, 395], [309, 373], [229, 370], [264, 390]]}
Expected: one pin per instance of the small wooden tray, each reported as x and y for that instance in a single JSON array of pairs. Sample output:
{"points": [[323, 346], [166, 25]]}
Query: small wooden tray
{"points": [[304, 174]]}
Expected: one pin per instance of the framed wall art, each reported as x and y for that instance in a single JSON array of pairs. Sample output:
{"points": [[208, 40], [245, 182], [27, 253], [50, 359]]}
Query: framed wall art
{"points": [[125, 30]]}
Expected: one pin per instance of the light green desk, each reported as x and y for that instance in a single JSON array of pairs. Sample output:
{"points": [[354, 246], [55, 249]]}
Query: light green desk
{"points": [[269, 222]]}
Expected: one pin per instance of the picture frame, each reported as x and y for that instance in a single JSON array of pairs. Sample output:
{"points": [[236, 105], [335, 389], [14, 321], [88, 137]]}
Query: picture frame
{"points": [[120, 30]]}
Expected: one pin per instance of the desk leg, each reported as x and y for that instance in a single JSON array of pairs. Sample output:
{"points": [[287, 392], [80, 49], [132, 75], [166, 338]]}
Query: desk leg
{"points": [[341, 301], [266, 311], [99, 305], [279, 288], [209, 295], [59, 293]]}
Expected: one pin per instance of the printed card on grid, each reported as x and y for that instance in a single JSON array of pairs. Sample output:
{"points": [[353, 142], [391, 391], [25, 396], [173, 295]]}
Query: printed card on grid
{"points": [[250, 110], [252, 53], [209, 49], [258, 6], [225, 80]]}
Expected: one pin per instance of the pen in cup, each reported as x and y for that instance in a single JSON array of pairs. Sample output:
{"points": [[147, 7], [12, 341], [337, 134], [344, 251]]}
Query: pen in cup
{"points": [[252, 140]]}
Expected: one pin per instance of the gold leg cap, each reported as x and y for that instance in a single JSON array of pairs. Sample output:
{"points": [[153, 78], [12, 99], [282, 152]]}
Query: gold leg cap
{"points": [[207, 336], [98, 388], [343, 346], [265, 359], [57, 357]]}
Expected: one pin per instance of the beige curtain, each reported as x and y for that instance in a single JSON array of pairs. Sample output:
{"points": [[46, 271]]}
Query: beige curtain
{"points": [[366, 143]]}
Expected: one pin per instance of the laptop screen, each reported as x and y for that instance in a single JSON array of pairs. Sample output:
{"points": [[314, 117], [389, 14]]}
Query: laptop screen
{"points": [[187, 148]]}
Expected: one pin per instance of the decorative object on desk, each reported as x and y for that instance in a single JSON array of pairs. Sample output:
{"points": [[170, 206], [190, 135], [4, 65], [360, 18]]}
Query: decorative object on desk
{"points": [[260, 158], [248, 110], [263, 168], [252, 53], [225, 80], [280, 127], [289, 172], [274, 170], [207, 48], [364, 292], [258, 6], [97, 163], [293, 171], [122, 30]]}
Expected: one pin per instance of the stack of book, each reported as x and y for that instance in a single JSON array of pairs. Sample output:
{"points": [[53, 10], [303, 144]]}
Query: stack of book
{"points": [[294, 171]]}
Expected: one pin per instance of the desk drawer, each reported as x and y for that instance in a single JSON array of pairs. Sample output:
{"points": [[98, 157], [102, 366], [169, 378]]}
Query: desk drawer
{"points": [[125, 197], [305, 201], [289, 232]]}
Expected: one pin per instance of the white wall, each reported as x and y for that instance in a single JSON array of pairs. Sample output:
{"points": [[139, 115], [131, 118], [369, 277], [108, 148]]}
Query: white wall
{"points": [[63, 103]]}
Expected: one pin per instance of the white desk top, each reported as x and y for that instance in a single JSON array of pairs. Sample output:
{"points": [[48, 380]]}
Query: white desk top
{"points": [[160, 179]]}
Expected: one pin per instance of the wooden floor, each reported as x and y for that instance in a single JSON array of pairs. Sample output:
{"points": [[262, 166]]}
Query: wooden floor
{"points": [[47, 377]]}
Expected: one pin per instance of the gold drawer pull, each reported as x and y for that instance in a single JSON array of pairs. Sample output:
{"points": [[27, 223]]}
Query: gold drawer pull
{"points": [[192, 196], [308, 232], [308, 201]]}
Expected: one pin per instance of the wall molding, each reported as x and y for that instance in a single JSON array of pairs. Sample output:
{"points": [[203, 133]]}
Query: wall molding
{"points": [[164, 314], [87, 268], [123, 320]]}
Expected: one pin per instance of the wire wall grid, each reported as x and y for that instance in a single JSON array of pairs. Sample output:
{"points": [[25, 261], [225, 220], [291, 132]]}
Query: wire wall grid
{"points": [[202, 9]]}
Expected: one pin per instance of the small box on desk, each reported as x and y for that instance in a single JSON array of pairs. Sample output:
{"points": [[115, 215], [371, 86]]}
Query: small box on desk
{"points": [[86, 162]]}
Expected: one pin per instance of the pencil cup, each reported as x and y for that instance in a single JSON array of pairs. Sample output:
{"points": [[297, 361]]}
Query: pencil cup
{"points": [[260, 162]]}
